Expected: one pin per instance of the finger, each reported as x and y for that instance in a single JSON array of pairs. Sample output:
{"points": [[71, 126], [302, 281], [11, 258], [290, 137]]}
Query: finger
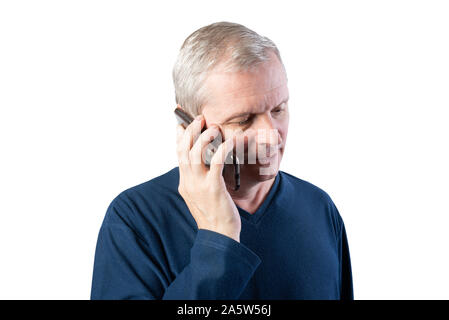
{"points": [[197, 152], [219, 158], [191, 133], [183, 158], [179, 132]]}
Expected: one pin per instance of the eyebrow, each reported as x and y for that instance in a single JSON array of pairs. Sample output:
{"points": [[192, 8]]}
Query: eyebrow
{"points": [[240, 114]]}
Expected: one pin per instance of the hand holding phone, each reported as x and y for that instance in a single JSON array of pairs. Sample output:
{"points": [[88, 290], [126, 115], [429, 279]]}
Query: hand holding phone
{"points": [[204, 189], [184, 119]]}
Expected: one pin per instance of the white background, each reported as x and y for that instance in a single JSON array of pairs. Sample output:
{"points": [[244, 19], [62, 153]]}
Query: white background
{"points": [[86, 100]]}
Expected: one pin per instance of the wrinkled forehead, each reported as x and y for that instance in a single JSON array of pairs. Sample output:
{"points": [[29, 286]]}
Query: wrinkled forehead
{"points": [[249, 91]]}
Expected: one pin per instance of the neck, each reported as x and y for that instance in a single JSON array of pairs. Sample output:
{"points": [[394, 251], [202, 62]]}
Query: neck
{"points": [[251, 193]]}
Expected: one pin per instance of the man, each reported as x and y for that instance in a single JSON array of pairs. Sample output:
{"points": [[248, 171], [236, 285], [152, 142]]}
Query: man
{"points": [[188, 234]]}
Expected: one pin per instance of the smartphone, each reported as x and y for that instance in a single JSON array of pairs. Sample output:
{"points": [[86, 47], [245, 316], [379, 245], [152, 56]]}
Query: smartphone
{"points": [[185, 119]]}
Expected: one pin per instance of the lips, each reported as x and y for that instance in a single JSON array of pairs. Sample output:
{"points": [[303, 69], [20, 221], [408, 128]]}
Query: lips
{"points": [[273, 154], [265, 161], [272, 151], [270, 155]]}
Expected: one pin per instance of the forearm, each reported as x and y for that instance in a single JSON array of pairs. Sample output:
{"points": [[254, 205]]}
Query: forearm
{"points": [[219, 268]]}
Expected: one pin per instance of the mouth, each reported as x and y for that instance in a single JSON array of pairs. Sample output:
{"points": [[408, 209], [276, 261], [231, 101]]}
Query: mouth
{"points": [[273, 154], [265, 160]]}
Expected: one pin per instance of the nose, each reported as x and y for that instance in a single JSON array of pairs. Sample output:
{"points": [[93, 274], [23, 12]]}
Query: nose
{"points": [[268, 136]]}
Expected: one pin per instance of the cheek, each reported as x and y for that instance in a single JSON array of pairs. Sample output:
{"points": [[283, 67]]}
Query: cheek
{"points": [[283, 129]]}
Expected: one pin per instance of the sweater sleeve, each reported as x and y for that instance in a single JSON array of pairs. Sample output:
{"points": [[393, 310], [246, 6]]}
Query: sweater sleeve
{"points": [[346, 289], [219, 268], [126, 267]]}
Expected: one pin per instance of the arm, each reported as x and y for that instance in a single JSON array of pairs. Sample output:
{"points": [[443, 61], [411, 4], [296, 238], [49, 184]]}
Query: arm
{"points": [[219, 268], [346, 288], [126, 267]]}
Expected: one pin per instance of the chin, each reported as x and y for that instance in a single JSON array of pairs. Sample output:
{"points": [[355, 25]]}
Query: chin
{"points": [[258, 172], [268, 172], [265, 177]]}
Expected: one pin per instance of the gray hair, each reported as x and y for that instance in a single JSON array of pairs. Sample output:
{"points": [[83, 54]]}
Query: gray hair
{"points": [[231, 44]]}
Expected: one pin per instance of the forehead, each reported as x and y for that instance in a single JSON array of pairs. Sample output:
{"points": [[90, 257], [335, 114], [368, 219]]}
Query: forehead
{"points": [[251, 91]]}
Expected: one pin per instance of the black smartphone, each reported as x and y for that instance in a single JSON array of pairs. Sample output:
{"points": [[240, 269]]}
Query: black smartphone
{"points": [[185, 119]]}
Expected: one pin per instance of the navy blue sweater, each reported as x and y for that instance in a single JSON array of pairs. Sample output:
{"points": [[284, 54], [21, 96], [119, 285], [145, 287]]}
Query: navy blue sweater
{"points": [[293, 247]]}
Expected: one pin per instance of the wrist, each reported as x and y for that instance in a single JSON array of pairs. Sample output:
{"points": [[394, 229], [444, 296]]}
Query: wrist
{"points": [[233, 234]]}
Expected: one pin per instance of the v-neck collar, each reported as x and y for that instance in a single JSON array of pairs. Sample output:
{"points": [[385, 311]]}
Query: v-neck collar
{"points": [[260, 212]]}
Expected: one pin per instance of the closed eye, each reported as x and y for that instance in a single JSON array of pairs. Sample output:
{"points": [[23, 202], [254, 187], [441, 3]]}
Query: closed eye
{"points": [[279, 109], [245, 121]]}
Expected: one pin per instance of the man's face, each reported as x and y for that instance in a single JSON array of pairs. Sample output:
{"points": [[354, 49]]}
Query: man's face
{"points": [[254, 102]]}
